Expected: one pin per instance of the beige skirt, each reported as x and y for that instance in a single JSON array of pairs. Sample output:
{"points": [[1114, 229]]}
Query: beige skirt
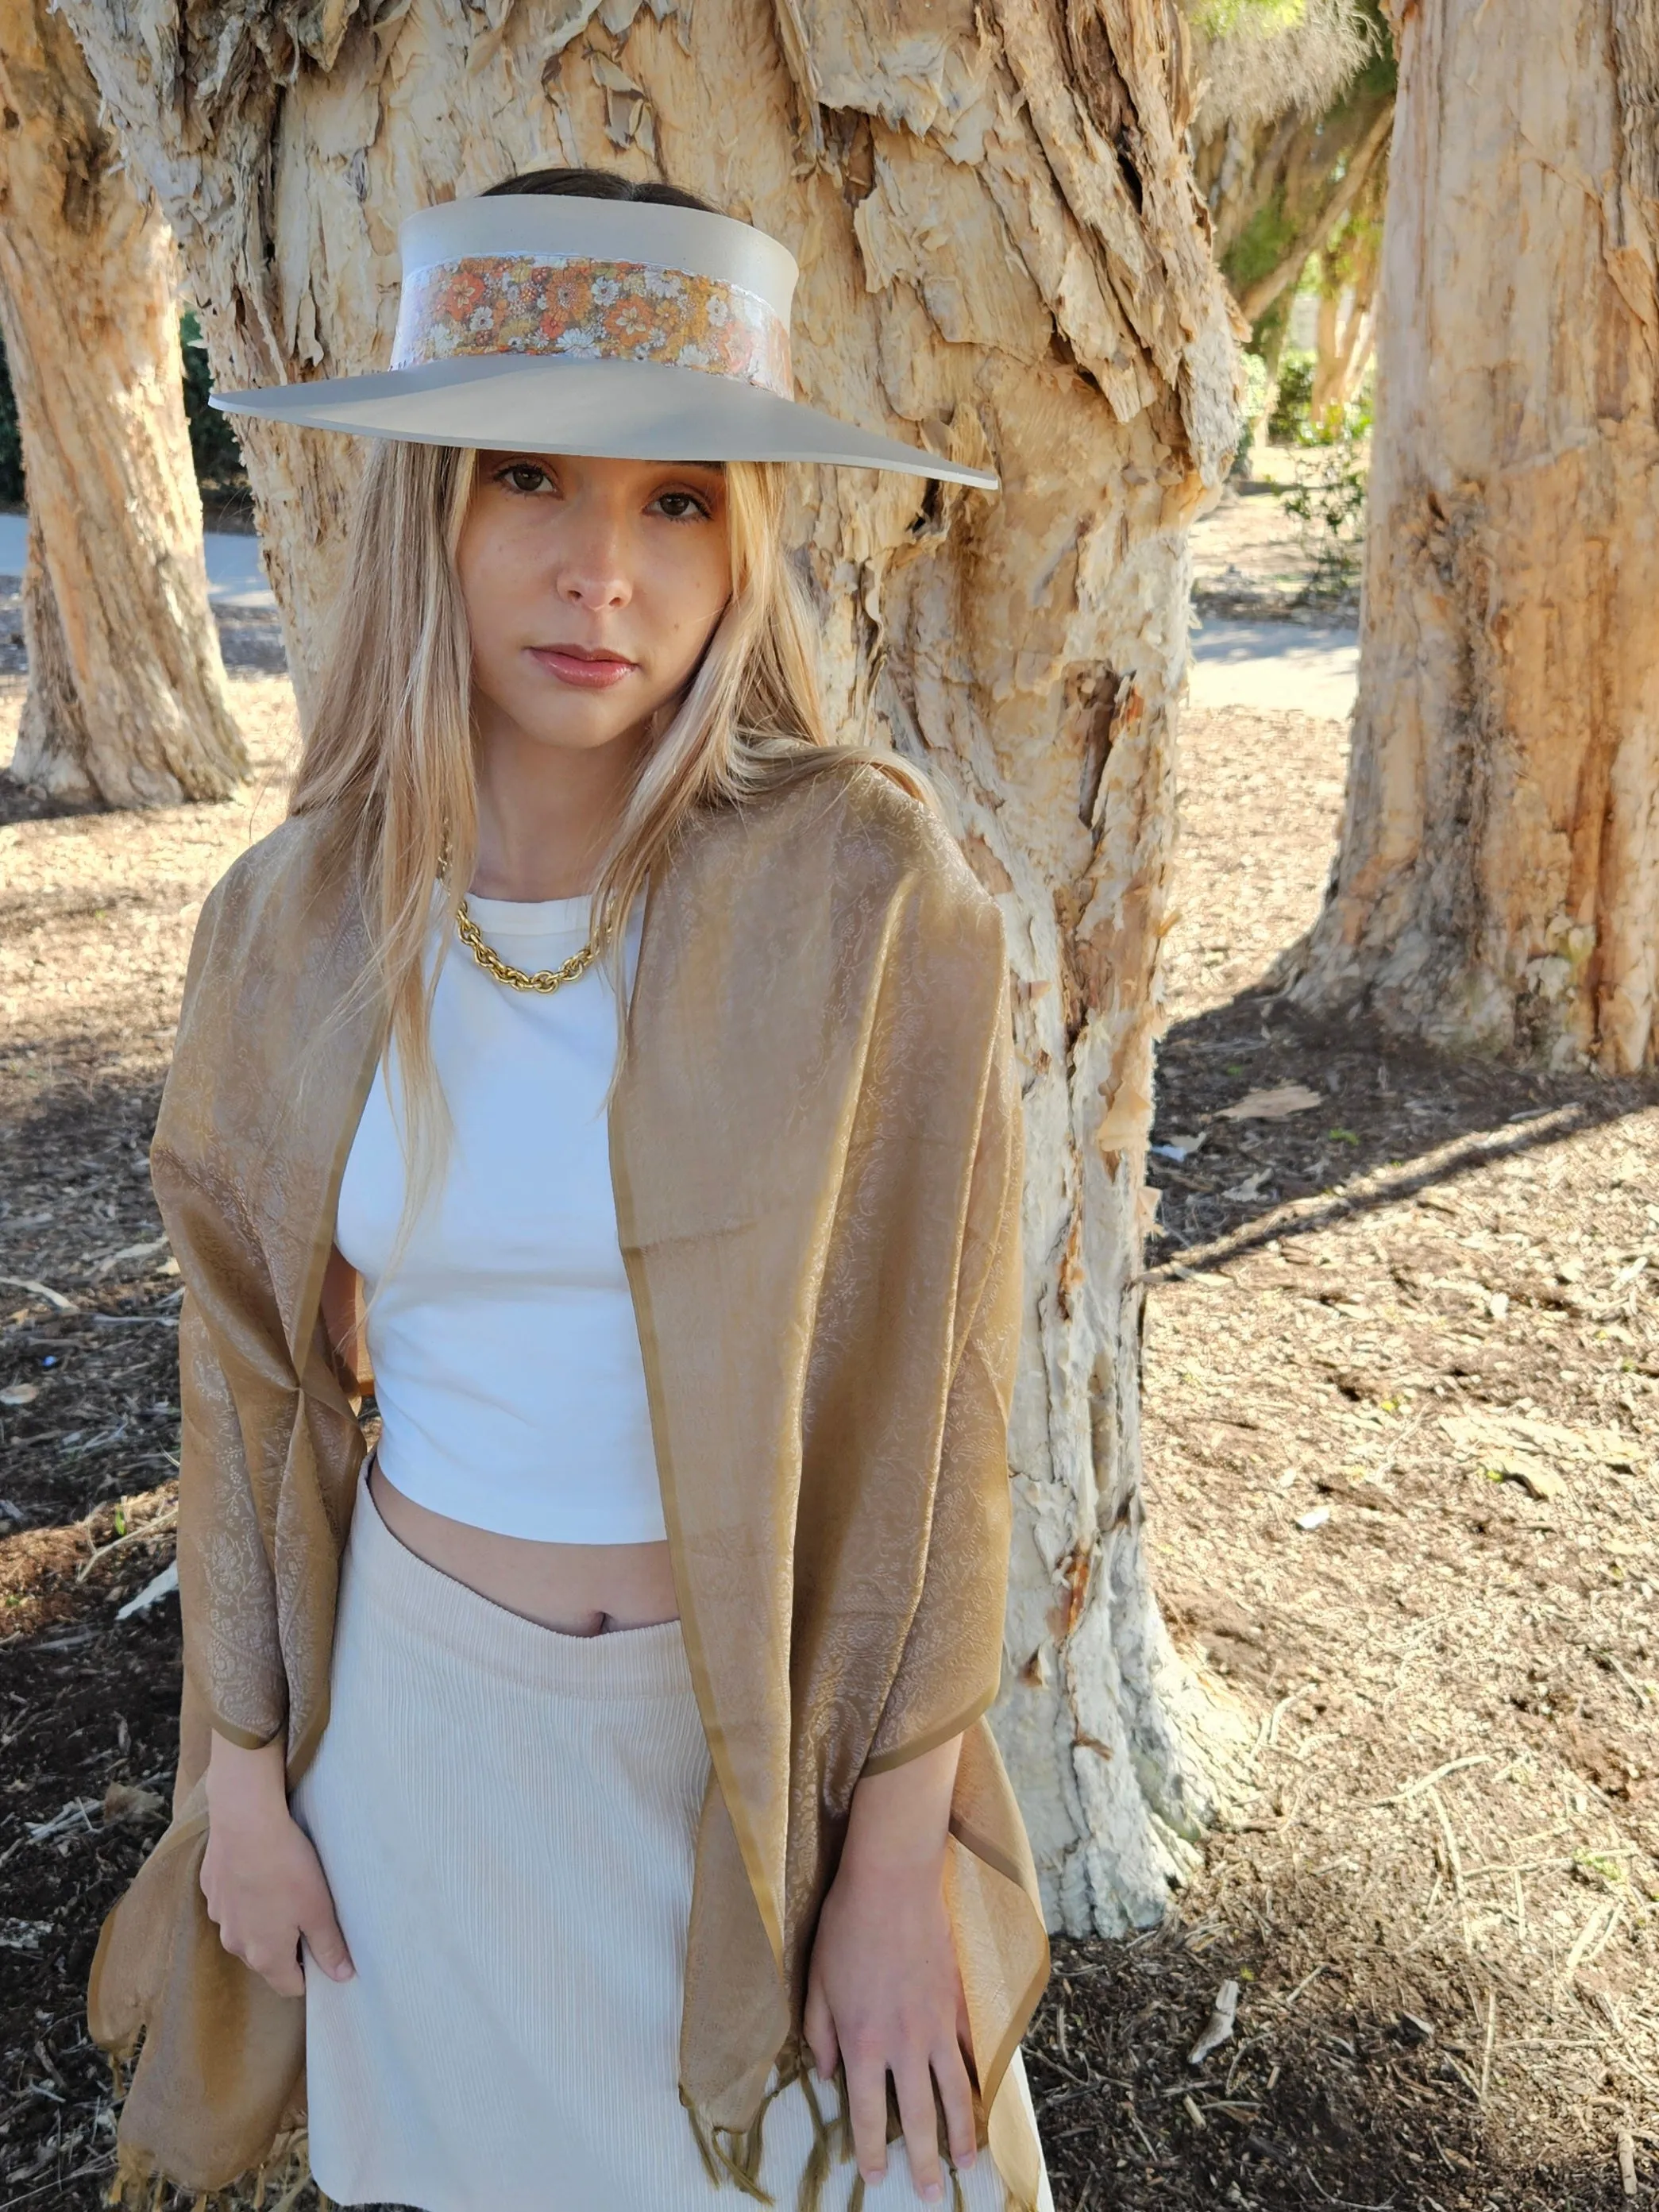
{"points": [[505, 1816]]}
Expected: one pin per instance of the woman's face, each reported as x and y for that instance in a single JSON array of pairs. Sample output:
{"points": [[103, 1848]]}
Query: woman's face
{"points": [[592, 587]]}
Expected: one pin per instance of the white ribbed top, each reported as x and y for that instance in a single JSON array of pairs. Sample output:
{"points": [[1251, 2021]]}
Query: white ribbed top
{"points": [[506, 1353]]}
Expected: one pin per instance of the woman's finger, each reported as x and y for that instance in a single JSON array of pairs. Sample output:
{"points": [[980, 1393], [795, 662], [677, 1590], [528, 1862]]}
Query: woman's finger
{"points": [[323, 1939], [818, 2024], [914, 2084], [956, 2095], [866, 2106]]}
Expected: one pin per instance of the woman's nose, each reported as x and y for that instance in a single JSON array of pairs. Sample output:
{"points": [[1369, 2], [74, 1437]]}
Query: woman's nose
{"points": [[591, 571]]}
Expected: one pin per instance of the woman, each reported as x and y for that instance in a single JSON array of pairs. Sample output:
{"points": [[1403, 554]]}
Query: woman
{"points": [[616, 1077]]}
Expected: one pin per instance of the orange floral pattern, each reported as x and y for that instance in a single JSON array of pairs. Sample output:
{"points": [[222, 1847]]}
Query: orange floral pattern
{"points": [[592, 311]]}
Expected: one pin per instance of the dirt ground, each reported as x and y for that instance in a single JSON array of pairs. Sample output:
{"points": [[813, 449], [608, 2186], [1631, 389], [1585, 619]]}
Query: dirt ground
{"points": [[1401, 1367]]}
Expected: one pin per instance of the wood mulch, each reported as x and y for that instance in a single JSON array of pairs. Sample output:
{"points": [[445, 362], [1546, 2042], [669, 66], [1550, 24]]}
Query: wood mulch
{"points": [[1402, 1375], [1401, 1416]]}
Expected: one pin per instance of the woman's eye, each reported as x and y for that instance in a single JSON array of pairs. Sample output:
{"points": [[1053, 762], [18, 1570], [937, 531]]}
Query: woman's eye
{"points": [[524, 476], [681, 506]]}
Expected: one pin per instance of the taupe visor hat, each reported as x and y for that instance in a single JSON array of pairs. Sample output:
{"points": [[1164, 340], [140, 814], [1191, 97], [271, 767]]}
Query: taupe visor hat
{"points": [[618, 328]]}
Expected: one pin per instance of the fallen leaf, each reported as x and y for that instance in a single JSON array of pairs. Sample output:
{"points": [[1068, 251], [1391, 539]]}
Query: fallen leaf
{"points": [[20, 1393], [159, 1586], [41, 1290], [1276, 1105], [126, 1801], [1496, 1436], [1252, 1187], [1536, 1476], [1220, 2026]]}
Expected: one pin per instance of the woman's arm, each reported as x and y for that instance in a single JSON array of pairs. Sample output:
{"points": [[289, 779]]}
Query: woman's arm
{"points": [[883, 1993], [884, 1988], [261, 1877], [344, 1321]]}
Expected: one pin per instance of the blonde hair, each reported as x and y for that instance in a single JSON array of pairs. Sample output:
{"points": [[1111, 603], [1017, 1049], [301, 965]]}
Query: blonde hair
{"points": [[388, 757]]}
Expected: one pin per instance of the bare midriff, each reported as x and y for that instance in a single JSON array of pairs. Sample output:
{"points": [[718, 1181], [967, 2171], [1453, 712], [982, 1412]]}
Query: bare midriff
{"points": [[580, 1589]]}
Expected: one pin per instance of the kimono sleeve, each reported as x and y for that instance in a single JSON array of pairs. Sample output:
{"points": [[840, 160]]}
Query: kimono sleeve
{"points": [[235, 1384], [951, 1668]]}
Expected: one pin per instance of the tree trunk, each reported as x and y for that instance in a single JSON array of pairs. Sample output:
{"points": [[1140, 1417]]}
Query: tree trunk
{"points": [[50, 754], [1000, 250], [1498, 887], [1346, 331], [128, 702]]}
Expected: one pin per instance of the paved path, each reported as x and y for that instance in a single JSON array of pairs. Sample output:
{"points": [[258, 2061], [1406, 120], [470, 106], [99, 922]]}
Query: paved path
{"points": [[234, 576], [1267, 664]]}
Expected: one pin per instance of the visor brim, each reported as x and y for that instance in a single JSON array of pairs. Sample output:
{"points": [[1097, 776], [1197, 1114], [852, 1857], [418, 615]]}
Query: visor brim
{"points": [[621, 409]]}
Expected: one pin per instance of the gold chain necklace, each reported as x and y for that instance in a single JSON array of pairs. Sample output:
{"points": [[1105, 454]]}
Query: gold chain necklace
{"points": [[544, 979]]}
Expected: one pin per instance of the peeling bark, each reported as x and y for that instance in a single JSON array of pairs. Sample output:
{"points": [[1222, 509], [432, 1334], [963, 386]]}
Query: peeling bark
{"points": [[128, 702], [50, 754], [1498, 887], [1002, 255]]}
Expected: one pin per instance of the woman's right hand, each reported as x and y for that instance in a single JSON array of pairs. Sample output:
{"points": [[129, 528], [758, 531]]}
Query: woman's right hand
{"points": [[261, 1876]]}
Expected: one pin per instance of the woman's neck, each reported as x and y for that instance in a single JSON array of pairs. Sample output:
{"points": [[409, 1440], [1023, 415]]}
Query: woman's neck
{"points": [[545, 813]]}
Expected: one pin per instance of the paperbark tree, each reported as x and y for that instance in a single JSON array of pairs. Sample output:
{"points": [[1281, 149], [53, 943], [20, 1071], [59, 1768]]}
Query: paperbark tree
{"points": [[127, 700], [1346, 332], [1499, 881], [1001, 254], [1290, 135]]}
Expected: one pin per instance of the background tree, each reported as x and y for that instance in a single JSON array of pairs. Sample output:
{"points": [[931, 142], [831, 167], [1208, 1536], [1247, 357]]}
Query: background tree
{"points": [[1350, 268], [127, 701], [1290, 138], [1498, 886], [1001, 254]]}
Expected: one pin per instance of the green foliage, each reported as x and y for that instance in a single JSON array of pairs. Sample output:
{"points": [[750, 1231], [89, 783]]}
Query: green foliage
{"points": [[1257, 382], [11, 443], [213, 444], [1290, 416], [212, 441], [1264, 242], [1328, 501], [1217, 18]]}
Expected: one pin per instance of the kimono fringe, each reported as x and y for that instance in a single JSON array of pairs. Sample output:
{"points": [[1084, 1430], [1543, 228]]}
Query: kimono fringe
{"points": [[733, 2155], [274, 2185]]}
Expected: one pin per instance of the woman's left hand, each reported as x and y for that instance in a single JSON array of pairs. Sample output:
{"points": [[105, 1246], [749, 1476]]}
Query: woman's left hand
{"points": [[883, 1993]]}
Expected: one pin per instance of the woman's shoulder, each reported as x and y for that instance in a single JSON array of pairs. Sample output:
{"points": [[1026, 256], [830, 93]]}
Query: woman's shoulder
{"points": [[289, 873], [853, 822], [267, 929]]}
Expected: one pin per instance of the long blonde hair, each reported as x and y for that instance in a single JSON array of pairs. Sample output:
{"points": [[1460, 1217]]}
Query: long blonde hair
{"points": [[389, 755]]}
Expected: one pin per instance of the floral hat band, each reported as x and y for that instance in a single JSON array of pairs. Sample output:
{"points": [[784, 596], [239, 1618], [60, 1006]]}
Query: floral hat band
{"points": [[554, 323], [591, 310]]}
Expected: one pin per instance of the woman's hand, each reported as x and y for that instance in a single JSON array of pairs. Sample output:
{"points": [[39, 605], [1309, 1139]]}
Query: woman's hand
{"points": [[884, 1992], [263, 1883]]}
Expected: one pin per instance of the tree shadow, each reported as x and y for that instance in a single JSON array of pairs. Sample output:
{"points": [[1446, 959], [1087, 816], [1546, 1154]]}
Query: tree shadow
{"points": [[1392, 1120], [1329, 2093], [20, 802]]}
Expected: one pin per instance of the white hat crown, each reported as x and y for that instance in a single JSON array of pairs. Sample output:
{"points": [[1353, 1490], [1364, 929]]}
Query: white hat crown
{"points": [[595, 280]]}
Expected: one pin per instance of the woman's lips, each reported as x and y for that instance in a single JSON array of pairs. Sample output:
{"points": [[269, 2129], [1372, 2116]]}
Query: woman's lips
{"points": [[587, 675]]}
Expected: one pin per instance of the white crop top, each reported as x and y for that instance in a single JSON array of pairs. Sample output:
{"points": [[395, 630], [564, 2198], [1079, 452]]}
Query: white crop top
{"points": [[505, 1350]]}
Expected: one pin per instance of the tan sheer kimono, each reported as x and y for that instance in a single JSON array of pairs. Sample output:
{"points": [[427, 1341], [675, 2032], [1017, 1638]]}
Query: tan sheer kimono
{"points": [[816, 1148]]}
